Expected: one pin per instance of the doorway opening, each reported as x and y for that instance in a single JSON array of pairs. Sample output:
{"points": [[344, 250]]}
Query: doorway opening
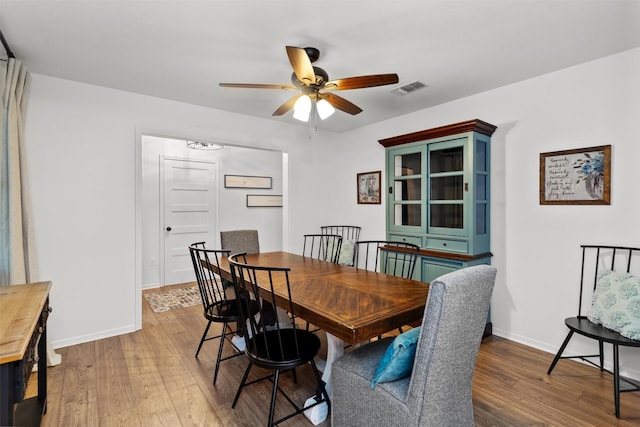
{"points": [[227, 206]]}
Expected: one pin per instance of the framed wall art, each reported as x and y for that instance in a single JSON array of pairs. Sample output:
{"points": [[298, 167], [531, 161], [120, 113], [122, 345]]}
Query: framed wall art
{"points": [[369, 188], [247, 181], [264, 200], [576, 177]]}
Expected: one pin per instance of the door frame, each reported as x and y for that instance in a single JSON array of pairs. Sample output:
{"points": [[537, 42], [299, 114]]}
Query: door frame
{"points": [[162, 239], [137, 147]]}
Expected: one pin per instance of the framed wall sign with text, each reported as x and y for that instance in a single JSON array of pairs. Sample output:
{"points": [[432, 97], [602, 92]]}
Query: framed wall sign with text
{"points": [[576, 177]]}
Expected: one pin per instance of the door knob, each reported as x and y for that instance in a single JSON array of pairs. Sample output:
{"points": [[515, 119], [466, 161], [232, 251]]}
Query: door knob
{"points": [[168, 228]]}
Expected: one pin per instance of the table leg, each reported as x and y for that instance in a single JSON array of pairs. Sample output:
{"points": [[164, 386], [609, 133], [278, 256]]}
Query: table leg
{"points": [[335, 349]]}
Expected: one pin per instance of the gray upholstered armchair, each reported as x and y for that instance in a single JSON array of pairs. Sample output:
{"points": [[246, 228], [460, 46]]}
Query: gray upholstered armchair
{"points": [[438, 391]]}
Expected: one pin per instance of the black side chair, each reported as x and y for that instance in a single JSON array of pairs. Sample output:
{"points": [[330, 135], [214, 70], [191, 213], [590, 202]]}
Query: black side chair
{"points": [[594, 260], [348, 232], [325, 247], [389, 257], [350, 235], [217, 307], [278, 348], [241, 241]]}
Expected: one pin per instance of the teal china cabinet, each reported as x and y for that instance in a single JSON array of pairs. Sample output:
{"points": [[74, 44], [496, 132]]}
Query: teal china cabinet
{"points": [[438, 195]]}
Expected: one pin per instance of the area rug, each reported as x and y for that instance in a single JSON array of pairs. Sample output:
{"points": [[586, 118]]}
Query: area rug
{"points": [[172, 299]]}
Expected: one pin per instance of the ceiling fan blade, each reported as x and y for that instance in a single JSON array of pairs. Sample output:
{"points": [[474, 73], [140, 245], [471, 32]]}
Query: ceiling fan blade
{"points": [[301, 65], [257, 86], [340, 103], [288, 105], [361, 82]]}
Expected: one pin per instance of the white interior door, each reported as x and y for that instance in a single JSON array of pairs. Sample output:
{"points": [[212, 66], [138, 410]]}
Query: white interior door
{"points": [[189, 214]]}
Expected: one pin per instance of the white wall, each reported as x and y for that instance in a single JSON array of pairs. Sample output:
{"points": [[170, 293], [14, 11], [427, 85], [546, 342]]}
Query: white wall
{"points": [[81, 158], [81, 161], [535, 247], [328, 195], [232, 212]]}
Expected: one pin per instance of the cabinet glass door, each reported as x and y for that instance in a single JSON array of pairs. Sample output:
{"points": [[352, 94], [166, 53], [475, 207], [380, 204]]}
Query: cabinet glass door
{"points": [[406, 187], [446, 187]]}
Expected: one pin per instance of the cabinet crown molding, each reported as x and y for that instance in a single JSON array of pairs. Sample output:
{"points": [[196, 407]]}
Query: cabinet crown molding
{"points": [[474, 125]]}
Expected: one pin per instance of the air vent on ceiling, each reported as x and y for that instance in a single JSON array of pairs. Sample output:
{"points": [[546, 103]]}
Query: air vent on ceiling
{"points": [[408, 88]]}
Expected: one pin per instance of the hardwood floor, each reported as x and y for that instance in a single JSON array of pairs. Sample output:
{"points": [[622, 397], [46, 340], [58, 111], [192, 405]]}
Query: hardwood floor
{"points": [[151, 378]]}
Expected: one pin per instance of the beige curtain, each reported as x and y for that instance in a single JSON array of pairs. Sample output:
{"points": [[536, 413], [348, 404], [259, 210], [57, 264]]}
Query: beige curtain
{"points": [[17, 257], [16, 248]]}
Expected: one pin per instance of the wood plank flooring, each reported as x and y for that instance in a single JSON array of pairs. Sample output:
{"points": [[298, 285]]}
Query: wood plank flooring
{"points": [[151, 378]]}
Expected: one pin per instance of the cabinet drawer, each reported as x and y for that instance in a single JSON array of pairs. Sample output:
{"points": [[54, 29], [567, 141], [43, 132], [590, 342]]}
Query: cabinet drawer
{"points": [[416, 240], [447, 245], [433, 268]]}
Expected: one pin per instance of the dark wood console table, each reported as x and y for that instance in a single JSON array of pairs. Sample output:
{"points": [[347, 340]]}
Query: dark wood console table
{"points": [[23, 343]]}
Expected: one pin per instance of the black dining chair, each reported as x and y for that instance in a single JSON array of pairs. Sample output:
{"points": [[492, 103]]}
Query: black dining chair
{"points": [[325, 247], [606, 310], [279, 348], [350, 235], [348, 232], [217, 308], [242, 241], [388, 257]]}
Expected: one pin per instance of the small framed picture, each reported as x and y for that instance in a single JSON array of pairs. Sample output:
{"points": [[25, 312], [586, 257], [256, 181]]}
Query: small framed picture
{"points": [[576, 177], [246, 181], [369, 188], [264, 200]]}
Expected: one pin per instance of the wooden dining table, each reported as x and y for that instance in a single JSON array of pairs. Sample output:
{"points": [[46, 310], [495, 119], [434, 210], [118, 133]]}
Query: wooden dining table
{"points": [[352, 305]]}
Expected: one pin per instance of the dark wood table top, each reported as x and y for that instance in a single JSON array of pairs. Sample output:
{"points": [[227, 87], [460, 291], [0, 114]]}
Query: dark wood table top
{"points": [[352, 304]]}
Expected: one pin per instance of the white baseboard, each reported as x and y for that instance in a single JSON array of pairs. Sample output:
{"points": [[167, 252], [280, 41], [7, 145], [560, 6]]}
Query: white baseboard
{"points": [[92, 337], [553, 349]]}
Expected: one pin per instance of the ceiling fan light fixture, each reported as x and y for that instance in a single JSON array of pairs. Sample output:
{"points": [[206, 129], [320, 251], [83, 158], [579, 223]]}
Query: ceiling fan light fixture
{"points": [[302, 108], [324, 109], [198, 145], [311, 82]]}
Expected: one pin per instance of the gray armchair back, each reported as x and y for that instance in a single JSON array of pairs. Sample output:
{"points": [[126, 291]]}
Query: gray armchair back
{"points": [[238, 241], [438, 392]]}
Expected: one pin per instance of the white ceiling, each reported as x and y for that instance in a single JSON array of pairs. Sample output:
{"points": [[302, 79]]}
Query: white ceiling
{"points": [[181, 50]]}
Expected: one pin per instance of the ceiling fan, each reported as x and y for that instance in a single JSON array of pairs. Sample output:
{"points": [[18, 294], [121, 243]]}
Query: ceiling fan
{"points": [[315, 87]]}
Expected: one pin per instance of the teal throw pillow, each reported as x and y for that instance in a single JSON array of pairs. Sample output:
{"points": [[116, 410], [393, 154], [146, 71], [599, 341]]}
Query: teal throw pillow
{"points": [[346, 252], [397, 361], [616, 303]]}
